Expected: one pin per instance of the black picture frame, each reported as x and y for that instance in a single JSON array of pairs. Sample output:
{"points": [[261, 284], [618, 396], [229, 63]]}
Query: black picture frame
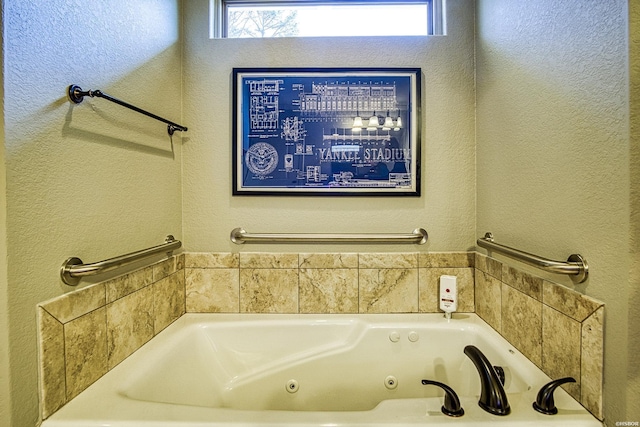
{"points": [[296, 133]]}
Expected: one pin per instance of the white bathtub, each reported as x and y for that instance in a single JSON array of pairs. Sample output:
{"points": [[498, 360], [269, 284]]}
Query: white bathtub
{"points": [[313, 370]]}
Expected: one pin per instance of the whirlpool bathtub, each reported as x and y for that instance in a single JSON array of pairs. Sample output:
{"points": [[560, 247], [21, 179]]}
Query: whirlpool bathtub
{"points": [[218, 370]]}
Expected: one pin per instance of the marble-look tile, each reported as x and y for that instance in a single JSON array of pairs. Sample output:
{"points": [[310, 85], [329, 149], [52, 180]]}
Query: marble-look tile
{"points": [[266, 290], [330, 260], [51, 354], [522, 323], [592, 362], [446, 259], [524, 282], [491, 266], [164, 268], [488, 299], [429, 289], [128, 283], [168, 300], [212, 290], [389, 282], [85, 342], [567, 301], [561, 348], [211, 260], [129, 324], [268, 260], [75, 304], [392, 290], [328, 290], [388, 260]]}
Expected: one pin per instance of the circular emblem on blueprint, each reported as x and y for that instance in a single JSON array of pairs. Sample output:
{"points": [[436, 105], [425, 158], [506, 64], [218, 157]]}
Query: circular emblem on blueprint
{"points": [[261, 158]]}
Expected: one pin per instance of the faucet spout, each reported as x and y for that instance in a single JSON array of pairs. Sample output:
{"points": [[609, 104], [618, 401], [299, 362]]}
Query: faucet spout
{"points": [[493, 397]]}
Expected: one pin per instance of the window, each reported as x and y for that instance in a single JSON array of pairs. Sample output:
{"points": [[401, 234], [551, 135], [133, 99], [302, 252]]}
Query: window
{"points": [[321, 18]]}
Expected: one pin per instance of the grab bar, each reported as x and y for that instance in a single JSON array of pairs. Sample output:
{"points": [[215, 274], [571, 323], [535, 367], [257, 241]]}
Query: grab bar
{"points": [[73, 268], [240, 236], [76, 95], [576, 265]]}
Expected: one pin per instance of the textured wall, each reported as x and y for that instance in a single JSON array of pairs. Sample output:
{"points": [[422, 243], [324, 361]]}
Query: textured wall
{"points": [[553, 149], [93, 180], [447, 207], [633, 402], [4, 303]]}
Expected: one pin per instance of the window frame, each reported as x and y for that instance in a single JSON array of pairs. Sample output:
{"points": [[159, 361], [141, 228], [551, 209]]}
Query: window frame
{"points": [[219, 11]]}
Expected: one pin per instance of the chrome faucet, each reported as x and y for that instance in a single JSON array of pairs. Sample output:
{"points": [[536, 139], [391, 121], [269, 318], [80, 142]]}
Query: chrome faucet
{"points": [[493, 398]]}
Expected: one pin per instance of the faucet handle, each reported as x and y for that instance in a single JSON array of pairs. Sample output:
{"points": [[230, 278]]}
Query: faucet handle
{"points": [[451, 405], [500, 372], [544, 401]]}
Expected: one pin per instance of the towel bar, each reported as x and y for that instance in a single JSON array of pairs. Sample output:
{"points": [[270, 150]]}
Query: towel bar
{"points": [[76, 95]]}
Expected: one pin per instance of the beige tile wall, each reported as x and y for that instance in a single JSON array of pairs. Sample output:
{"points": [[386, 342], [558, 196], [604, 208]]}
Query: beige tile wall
{"points": [[323, 283], [85, 333], [558, 329]]}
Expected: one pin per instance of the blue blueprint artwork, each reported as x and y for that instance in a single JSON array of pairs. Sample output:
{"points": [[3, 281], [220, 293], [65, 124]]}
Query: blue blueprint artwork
{"points": [[331, 132]]}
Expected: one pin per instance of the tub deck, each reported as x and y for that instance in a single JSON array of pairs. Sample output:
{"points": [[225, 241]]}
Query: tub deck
{"points": [[219, 370]]}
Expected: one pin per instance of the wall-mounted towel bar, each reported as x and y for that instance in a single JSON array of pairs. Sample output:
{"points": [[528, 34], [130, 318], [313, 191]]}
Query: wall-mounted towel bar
{"points": [[73, 268], [575, 265], [239, 236], [76, 95]]}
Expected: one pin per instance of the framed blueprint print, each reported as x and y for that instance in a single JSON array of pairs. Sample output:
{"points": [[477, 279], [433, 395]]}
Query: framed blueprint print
{"points": [[326, 131]]}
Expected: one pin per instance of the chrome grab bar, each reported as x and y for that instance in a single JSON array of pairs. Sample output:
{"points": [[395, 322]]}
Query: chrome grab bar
{"points": [[576, 265], [240, 236], [73, 268]]}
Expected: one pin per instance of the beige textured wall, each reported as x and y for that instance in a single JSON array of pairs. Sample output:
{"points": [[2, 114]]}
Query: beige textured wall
{"points": [[553, 151], [447, 207], [633, 395], [93, 180], [5, 420]]}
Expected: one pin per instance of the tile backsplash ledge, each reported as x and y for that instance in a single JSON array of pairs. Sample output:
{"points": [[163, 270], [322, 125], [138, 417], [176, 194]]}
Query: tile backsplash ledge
{"points": [[85, 333]]}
